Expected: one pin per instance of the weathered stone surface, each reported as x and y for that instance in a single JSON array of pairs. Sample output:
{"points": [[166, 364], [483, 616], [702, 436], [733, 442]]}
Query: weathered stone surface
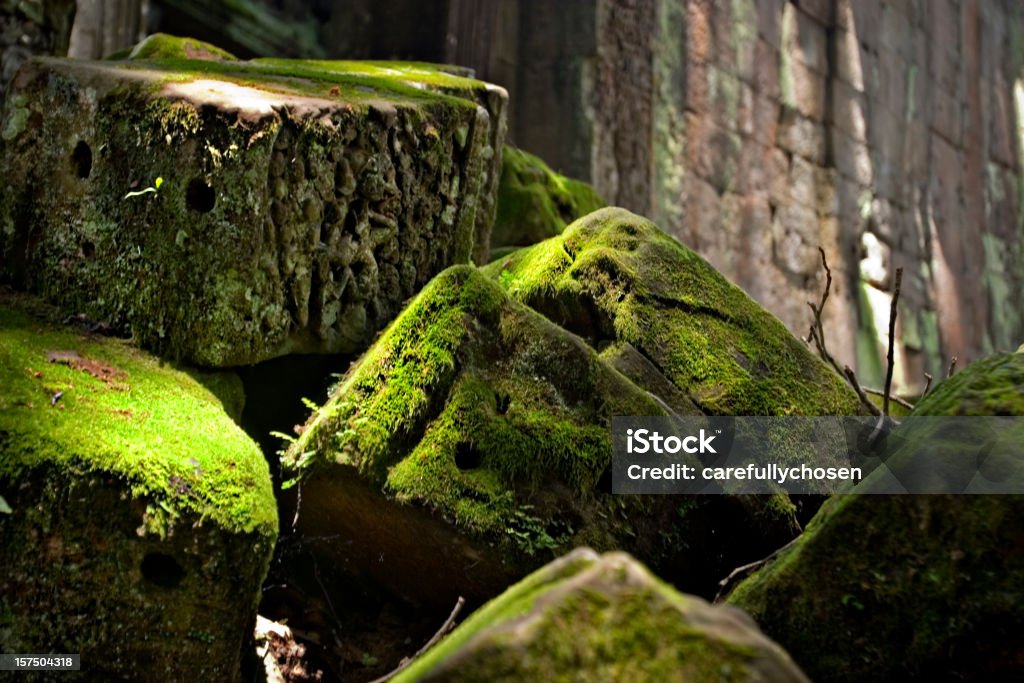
{"points": [[472, 442], [301, 202], [32, 27], [591, 617], [907, 587], [614, 276], [535, 203], [141, 519]]}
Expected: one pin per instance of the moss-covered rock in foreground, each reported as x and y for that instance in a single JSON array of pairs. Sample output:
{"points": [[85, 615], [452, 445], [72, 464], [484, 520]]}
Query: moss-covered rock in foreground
{"points": [[142, 519], [535, 203], [614, 278], [907, 587], [586, 617], [488, 429], [299, 203]]}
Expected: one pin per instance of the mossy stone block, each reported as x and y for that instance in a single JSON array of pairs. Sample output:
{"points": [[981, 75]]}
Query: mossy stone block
{"points": [[586, 617], [613, 277], [141, 519], [229, 212], [535, 203], [472, 443], [927, 587]]}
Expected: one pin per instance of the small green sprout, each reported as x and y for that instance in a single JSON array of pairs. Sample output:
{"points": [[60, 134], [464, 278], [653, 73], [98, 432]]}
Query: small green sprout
{"points": [[152, 188]]}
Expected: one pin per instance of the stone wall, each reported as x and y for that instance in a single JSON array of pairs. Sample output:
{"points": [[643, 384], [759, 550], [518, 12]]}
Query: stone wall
{"points": [[32, 27], [756, 131]]}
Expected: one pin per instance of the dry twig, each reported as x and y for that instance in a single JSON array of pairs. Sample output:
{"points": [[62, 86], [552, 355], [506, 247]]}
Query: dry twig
{"points": [[441, 632], [890, 358], [927, 384], [817, 332], [894, 398], [757, 564], [851, 377], [952, 368]]}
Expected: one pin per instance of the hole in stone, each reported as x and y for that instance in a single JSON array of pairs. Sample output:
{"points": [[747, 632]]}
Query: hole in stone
{"points": [[81, 159], [199, 196], [88, 249], [161, 569], [467, 457]]}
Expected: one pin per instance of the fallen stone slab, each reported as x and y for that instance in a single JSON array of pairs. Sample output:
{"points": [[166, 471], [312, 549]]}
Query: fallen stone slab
{"points": [[138, 521], [472, 443], [910, 587], [603, 618], [229, 212]]}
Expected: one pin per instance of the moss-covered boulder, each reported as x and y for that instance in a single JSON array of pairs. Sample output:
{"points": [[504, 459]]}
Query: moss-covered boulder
{"points": [[927, 587], [586, 617], [535, 203], [614, 278], [228, 212], [138, 520], [487, 428]]}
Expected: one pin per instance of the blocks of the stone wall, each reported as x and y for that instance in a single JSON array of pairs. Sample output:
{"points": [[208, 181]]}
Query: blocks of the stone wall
{"points": [[849, 110], [800, 135]]}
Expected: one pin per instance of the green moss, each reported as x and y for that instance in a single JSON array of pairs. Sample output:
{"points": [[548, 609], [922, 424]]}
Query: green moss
{"points": [[614, 276], [164, 46], [534, 202], [987, 387], [589, 618], [900, 587], [119, 411], [468, 397], [274, 169]]}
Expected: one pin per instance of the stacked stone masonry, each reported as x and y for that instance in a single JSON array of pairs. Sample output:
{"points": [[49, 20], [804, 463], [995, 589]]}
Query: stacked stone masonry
{"points": [[886, 132]]}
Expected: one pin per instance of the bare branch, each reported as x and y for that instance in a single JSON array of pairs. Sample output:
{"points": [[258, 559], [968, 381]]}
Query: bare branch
{"points": [[851, 376], [441, 632], [747, 568], [817, 331], [890, 359], [928, 384], [895, 399]]}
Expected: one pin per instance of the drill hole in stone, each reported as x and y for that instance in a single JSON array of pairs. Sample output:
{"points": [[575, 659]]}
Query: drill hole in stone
{"points": [[162, 570], [200, 197], [467, 457], [81, 160]]}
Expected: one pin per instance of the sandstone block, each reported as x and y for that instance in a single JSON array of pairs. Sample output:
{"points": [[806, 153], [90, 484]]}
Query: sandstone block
{"points": [[298, 203]]}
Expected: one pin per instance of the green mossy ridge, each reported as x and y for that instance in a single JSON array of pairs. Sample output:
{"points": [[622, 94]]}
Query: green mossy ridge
{"points": [[154, 427], [164, 46], [430, 389], [991, 386], [359, 81], [613, 275], [584, 617], [909, 586], [534, 202]]}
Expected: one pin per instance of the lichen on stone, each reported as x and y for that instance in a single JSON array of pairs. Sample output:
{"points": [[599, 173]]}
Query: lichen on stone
{"points": [[282, 190]]}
